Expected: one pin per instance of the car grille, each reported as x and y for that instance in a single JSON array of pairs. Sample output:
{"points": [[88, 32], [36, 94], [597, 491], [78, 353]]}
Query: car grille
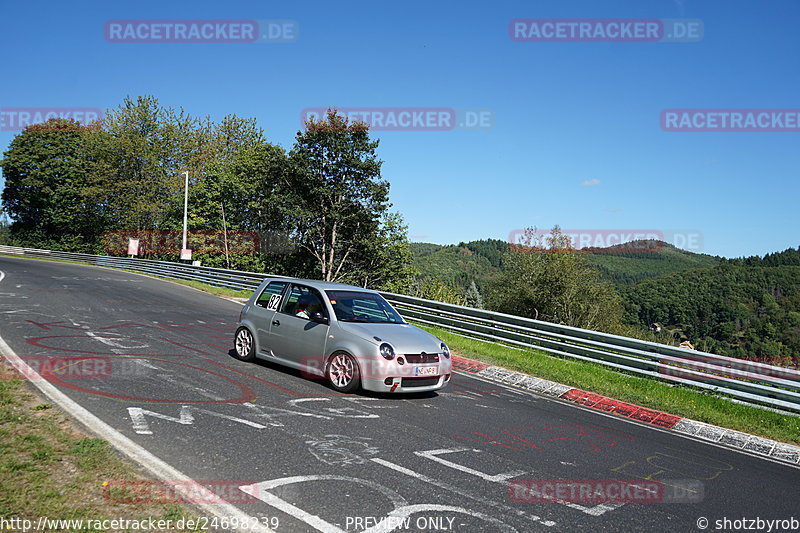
{"points": [[419, 382], [415, 358]]}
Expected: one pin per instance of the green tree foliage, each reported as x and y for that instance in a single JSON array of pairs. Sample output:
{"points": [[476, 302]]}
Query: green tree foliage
{"points": [[788, 257], [141, 152], [626, 264], [383, 261], [45, 193], [434, 289], [319, 211], [741, 308], [551, 281], [454, 265], [492, 249], [472, 297], [339, 195]]}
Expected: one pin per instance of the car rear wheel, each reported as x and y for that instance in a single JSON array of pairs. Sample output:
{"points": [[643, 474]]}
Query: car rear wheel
{"points": [[244, 346], [343, 372]]}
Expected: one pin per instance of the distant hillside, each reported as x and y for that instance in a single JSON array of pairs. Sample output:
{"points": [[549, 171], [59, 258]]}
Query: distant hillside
{"points": [[732, 309], [479, 261], [458, 265], [623, 265]]}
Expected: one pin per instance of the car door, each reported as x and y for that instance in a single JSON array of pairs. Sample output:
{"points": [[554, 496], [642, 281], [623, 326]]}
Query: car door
{"points": [[298, 340], [263, 311]]}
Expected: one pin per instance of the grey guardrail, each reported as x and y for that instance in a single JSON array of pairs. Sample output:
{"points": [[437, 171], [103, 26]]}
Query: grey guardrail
{"points": [[744, 380]]}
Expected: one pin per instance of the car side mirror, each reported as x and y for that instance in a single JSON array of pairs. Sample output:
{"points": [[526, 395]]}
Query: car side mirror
{"points": [[319, 317]]}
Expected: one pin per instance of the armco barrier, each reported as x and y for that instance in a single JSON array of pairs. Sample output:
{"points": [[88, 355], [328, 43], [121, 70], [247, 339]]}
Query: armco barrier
{"points": [[744, 380]]}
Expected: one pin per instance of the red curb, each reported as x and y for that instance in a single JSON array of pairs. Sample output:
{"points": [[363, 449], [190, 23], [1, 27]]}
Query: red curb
{"points": [[591, 400], [626, 410], [468, 365]]}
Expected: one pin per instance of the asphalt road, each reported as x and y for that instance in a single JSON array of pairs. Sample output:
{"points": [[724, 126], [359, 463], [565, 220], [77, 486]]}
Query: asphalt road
{"points": [[153, 360]]}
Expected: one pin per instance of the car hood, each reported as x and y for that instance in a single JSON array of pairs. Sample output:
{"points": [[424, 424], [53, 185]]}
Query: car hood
{"points": [[405, 338]]}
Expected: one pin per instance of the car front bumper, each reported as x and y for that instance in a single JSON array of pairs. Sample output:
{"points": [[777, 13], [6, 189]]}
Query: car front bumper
{"points": [[396, 378]]}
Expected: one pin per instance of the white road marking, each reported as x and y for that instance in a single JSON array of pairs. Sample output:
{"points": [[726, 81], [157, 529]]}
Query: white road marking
{"points": [[596, 510], [153, 464], [115, 342], [358, 401], [341, 449], [185, 418], [141, 426], [277, 411], [146, 364], [260, 491], [231, 418], [496, 478], [460, 492], [187, 383], [342, 412]]}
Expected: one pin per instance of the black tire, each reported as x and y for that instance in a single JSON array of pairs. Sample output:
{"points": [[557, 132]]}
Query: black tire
{"points": [[343, 373], [244, 345]]}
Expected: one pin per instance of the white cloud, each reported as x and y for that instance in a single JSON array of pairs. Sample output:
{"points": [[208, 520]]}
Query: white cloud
{"points": [[590, 183]]}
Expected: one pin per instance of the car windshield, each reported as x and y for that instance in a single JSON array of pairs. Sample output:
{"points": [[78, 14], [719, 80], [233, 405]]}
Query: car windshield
{"points": [[355, 306]]}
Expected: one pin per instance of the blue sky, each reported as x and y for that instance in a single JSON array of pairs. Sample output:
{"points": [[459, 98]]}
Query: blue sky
{"points": [[566, 113]]}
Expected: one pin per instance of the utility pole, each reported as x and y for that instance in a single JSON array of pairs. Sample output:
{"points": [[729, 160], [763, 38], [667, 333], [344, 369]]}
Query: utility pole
{"points": [[185, 211], [225, 235]]}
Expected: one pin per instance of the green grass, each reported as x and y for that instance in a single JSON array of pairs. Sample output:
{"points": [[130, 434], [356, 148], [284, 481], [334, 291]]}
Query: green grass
{"points": [[677, 400], [49, 468]]}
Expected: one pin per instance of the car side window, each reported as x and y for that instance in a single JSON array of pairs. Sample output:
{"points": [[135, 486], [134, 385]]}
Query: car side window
{"points": [[302, 302], [270, 297]]}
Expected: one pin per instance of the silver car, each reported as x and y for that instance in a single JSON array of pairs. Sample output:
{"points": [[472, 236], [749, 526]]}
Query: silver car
{"points": [[347, 334]]}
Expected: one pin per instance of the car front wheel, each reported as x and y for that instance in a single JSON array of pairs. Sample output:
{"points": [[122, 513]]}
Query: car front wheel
{"points": [[343, 372], [244, 346]]}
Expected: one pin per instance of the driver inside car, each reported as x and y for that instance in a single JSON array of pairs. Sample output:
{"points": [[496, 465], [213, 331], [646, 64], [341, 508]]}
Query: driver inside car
{"points": [[304, 303]]}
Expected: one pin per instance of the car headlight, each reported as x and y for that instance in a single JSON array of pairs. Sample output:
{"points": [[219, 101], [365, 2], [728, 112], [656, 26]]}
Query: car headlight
{"points": [[445, 351], [387, 351]]}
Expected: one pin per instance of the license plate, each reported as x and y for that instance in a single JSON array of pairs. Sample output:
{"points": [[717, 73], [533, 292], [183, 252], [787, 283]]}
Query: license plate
{"points": [[425, 370]]}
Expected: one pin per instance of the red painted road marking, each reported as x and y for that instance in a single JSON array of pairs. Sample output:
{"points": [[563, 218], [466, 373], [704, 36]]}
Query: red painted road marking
{"points": [[468, 365]]}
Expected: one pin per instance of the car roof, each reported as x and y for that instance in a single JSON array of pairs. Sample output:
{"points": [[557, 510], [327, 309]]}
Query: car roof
{"points": [[323, 285]]}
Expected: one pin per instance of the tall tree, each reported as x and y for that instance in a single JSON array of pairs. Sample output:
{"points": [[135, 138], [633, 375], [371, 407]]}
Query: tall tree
{"points": [[339, 193], [147, 147], [384, 261], [45, 190], [473, 298], [548, 279]]}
